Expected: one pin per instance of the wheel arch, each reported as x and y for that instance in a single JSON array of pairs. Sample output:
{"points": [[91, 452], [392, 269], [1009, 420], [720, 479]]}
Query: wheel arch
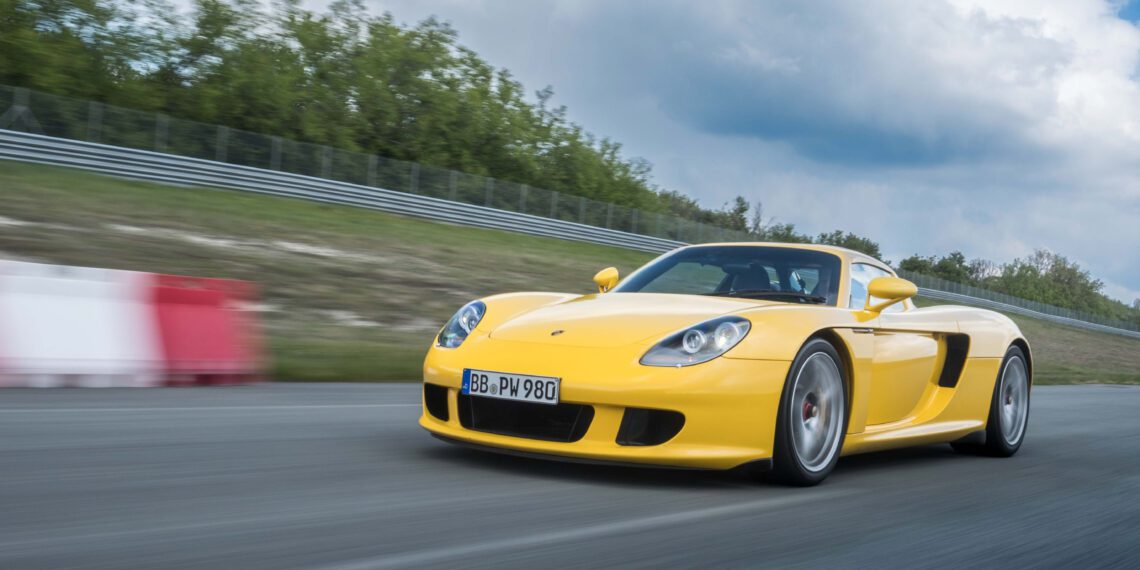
{"points": [[831, 336], [1024, 346], [840, 345]]}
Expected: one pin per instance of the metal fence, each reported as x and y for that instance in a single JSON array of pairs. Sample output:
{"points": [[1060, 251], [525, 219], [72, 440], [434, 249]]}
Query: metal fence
{"points": [[180, 165], [62, 117]]}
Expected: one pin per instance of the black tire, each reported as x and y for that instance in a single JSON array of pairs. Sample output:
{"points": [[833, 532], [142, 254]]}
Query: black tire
{"points": [[788, 467], [997, 443]]}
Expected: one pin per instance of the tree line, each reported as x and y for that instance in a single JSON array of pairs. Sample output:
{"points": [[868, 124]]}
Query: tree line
{"points": [[363, 82], [1044, 276]]}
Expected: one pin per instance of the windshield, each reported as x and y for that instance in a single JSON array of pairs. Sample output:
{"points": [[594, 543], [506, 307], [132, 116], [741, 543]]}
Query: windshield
{"points": [[761, 272]]}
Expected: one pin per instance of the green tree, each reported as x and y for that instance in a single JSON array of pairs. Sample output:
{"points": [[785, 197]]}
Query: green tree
{"points": [[850, 241], [952, 267], [1051, 278], [783, 233]]}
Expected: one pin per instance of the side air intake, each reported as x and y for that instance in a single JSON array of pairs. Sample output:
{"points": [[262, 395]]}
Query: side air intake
{"points": [[957, 347]]}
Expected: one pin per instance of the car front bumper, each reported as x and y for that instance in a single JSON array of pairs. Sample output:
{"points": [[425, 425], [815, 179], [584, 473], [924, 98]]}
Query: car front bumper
{"points": [[729, 405]]}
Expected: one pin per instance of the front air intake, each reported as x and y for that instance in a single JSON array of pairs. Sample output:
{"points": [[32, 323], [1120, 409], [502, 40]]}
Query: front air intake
{"points": [[642, 426], [435, 400], [562, 422]]}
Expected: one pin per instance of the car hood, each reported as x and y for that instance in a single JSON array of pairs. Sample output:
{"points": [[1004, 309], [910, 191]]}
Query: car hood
{"points": [[616, 319]]}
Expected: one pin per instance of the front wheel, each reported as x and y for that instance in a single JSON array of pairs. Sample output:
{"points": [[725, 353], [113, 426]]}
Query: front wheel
{"points": [[1009, 409], [812, 419]]}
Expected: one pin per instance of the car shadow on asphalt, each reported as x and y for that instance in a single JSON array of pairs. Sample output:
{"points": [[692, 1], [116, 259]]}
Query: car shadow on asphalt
{"points": [[856, 465], [894, 459], [632, 476]]}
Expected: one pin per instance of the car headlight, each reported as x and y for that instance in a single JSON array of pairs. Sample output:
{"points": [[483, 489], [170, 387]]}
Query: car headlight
{"points": [[461, 324], [698, 343]]}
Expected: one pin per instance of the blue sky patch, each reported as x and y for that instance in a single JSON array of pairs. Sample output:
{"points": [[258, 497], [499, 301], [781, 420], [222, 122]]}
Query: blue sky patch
{"points": [[1130, 11]]}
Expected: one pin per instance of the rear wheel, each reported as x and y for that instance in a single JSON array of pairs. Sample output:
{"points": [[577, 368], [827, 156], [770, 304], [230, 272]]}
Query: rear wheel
{"points": [[1009, 409], [812, 419]]}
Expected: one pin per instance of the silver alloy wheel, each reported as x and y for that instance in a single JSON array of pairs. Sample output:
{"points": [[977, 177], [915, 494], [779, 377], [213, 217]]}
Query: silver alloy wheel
{"points": [[817, 412], [1014, 402]]}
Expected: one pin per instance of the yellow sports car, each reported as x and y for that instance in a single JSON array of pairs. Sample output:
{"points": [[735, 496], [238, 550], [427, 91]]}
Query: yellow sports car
{"points": [[717, 356]]}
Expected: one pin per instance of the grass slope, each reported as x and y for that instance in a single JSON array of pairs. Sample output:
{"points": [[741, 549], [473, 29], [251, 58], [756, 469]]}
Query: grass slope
{"points": [[349, 294], [352, 294]]}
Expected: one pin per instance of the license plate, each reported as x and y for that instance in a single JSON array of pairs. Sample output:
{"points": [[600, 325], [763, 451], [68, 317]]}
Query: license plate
{"points": [[505, 386]]}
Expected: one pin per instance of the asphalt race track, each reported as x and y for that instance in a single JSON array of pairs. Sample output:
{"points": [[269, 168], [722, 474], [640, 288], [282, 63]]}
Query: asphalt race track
{"points": [[340, 476]]}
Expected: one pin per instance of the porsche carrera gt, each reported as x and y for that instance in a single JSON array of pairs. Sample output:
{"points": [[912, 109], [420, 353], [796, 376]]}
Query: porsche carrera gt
{"points": [[778, 356]]}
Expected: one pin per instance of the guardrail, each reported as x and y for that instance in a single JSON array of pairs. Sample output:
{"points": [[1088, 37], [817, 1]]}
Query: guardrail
{"points": [[172, 169]]}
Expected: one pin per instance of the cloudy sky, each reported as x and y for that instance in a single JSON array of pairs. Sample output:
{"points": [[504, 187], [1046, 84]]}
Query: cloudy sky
{"points": [[993, 127]]}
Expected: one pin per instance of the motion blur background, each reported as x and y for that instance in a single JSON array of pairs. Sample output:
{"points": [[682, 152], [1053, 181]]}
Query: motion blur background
{"points": [[317, 186]]}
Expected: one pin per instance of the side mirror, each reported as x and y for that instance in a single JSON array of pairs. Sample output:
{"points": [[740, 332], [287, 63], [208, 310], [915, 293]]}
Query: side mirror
{"points": [[892, 289], [606, 279]]}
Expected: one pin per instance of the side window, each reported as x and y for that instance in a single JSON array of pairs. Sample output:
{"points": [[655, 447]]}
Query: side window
{"points": [[861, 276]]}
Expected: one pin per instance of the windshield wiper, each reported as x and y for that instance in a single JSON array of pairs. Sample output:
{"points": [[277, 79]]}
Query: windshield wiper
{"points": [[766, 293]]}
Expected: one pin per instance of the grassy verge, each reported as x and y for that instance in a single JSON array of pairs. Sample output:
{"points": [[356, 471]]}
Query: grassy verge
{"points": [[345, 360], [350, 294]]}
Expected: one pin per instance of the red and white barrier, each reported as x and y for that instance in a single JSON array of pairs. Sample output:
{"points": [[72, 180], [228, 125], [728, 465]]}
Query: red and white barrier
{"points": [[77, 326], [205, 338]]}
